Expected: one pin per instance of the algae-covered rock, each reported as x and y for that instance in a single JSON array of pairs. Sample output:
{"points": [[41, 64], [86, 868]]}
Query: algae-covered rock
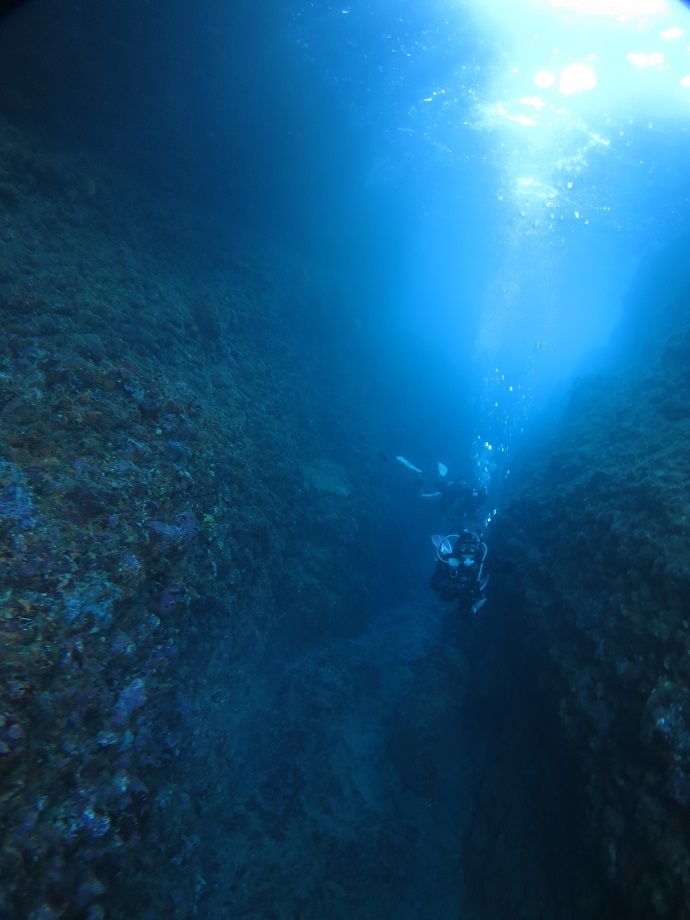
{"points": [[594, 537], [326, 476], [157, 499]]}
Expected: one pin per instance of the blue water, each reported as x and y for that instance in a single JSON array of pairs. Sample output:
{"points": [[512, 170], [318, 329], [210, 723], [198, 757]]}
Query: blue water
{"points": [[251, 253]]}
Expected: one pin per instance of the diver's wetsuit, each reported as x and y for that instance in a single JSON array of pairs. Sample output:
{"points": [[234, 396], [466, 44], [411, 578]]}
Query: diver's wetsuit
{"points": [[463, 582], [460, 500]]}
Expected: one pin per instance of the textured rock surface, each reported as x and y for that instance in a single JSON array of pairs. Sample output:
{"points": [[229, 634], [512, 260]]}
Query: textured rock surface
{"points": [[597, 540], [156, 419]]}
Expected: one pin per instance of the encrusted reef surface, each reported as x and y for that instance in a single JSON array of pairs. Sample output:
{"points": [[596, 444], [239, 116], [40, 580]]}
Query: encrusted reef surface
{"points": [[172, 479], [596, 538]]}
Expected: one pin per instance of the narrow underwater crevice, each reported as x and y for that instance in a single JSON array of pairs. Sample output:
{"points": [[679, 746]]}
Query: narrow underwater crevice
{"points": [[525, 852]]}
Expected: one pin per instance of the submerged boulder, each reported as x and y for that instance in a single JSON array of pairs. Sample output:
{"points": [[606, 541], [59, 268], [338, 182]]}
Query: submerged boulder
{"points": [[326, 476]]}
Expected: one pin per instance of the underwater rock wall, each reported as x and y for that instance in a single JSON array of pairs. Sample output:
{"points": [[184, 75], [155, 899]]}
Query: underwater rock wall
{"points": [[170, 471], [596, 537]]}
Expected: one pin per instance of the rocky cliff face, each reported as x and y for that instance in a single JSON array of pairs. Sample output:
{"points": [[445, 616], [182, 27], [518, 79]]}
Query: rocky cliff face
{"points": [[177, 475], [596, 540]]}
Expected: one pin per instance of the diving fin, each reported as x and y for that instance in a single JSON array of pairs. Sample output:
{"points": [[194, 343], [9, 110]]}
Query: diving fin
{"points": [[443, 544], [408, 465]]}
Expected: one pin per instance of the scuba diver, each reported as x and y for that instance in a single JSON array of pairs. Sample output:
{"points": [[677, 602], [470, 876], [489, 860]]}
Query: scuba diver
{"points": [[456, 498], [459, 573]]}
